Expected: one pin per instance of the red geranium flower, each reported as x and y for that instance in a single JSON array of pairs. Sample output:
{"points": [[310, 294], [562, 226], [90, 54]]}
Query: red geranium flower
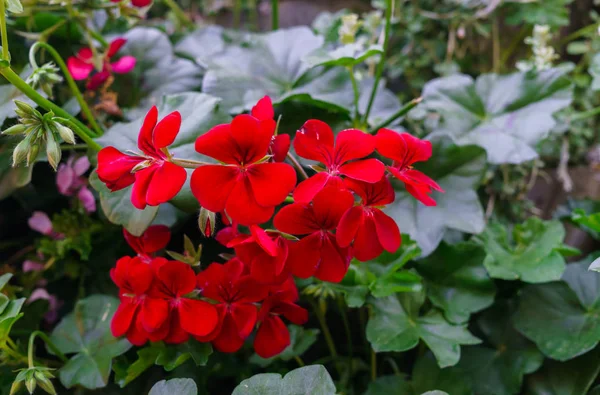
{"points": [[371, 229], [245, 186], [82, 65], [264, 252], [280, 144], [318, 253], [405, 150], [175, 280], [154, 239], [136, 3], [272, 336], [134, 278], [315, 141], [236, 293], [156, 179]]}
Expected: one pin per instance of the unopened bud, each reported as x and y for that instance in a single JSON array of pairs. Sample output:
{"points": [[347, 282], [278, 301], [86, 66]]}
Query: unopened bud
{"points": [[45, 383], [65, 133], [349, 28], [16, 387], [21, 150], [32, 155], [14, 130], [52, 150], [24, 110], [206, 222], [30, 383]]}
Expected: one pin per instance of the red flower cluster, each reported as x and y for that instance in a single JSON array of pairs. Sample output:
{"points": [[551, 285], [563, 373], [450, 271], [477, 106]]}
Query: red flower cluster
{"points": [[165, 300], [336, 215]]}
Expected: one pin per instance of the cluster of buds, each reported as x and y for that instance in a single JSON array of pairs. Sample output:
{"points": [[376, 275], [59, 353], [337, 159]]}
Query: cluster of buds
{"points": [[39, 131], [349, 28], [44, 78], [543, 53], [32, 378]]}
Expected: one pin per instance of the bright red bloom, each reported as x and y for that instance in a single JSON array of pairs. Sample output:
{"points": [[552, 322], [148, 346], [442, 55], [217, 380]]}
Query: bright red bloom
{"points": [[154, 177], [265, 253], [175, 280], [134, 278], [272, 336], [371, 230], [280, 144], [82, 65], [136, 3], [236, 292], [315, 141], [405, 150], [317, 254], [245, 186], [154, 239]]}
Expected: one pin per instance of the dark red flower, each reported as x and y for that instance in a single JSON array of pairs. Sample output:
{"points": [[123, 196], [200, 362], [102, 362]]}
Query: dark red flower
{"points": [[134, 278], [405, 150], [317, 254], [245, 186], [371, 230], [82, 65], [265, 253], [154, 177], [235, 293], [136, 3], [175, 280], [272, 336], [154, 239], [314, 141]]}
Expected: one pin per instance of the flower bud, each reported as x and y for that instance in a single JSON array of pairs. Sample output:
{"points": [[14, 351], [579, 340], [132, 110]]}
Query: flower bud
{"points": [[44, 382], [14, 6], [24, 110], [65, 133], [206, 222], [44, 77], [52, 150], [32, 155], [21, 151], [30, 383], [349, 28], [16, 387], [14, 130]]}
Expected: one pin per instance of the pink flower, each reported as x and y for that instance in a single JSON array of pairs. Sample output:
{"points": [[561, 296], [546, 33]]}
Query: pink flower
{"points": [[32, 266], [40, 222], [82, 65], [70, 181], [52, 313]]}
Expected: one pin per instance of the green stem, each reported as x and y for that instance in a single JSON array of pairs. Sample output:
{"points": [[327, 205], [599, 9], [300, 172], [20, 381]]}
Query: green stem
{"points": [[342, 309], [585, 114], [4, 32], [48, 32], [96, 36], [403, 111], [581, 32], [299, 361], [70, 81], [83, 131], [181, 16], [325, 329], [381, 65], [275, 14], [48, 342], [297, 165], [356, 93], [82, 135], [373, 365]]}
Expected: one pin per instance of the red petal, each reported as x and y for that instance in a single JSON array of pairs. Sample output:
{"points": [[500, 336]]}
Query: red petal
{"points": [[296, 219], [292, 312], [177, 277], [166, 130], [123, 318], [271, 338], [242, 206], [97, 80], [244, 316], [307, 189], [155, 238], [252, 137], [315, 141], [79, 69], [197, 317], [249, 291], [280, 147], [366, 244], [136, 334], [140, 187], [387, 231], [114, 168], [379, 193], [271, 182], [154, 313], [218, 143], [123, 65], [85, 54], [114, 46], [402, 147], [330, 204], [166, 183], [176, 333], [417, 184], [145, 137], [212, 185], [263, 109], [334, 261], [264, 240], [368, 170], [228, 339], [348, 226], [304, 256], [353, 144]]}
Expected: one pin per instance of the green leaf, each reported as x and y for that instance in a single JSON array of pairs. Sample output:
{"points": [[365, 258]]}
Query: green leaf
{"points": [[456, 280], [4, 279], [506, 115], [500, 369], [202, 44], [427, 376], [436, 392], [562, 318], [590, 222], [146, 358], [554, 13], [594, 70], [527, 253], [390, 283], [354, 286], [174, 386], [86, 332], [385, 385], [9, 315], [313, 379], [171, 356], [301, 340], [458, 170], [396, 326], [348, 55], [595, 265], [158, 71], [566, 378], [11, 178]]}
